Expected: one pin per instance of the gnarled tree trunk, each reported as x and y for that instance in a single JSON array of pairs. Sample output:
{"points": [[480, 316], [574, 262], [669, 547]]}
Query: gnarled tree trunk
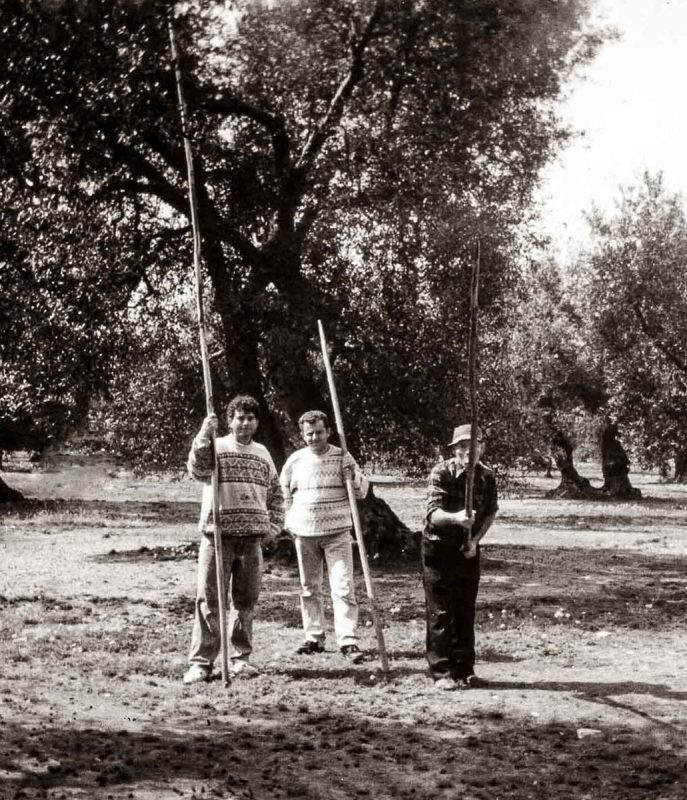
{"points": [[615, 466], [8, 494], [573, 485], [245, 377], [268, 338]]}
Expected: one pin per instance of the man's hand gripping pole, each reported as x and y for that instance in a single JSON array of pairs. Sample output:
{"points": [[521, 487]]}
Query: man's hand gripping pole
{"points": [[357, 526], [205, 358]]}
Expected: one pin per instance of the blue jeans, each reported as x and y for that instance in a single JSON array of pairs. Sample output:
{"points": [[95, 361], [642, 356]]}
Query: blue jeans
{"points": [[243, 579]]}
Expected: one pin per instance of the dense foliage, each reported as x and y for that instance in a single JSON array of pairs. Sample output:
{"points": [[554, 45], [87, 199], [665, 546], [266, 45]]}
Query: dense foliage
{"points": [[635, 287], [60, 320], [348, 155], [557, 394]]}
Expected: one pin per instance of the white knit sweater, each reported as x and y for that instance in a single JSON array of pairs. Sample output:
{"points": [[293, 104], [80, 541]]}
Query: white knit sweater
{"points": [[315, 492]]}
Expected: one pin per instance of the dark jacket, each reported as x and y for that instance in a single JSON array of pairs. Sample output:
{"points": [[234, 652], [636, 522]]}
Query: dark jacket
{"points": [[447, 491]]}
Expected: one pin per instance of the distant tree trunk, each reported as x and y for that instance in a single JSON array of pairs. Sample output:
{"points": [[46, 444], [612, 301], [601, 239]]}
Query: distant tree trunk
{"points": [[681, 466], [245, 377], [544, 462], [615, 466], [268, 342], [572, 486], [550, 463], [8, 494]]}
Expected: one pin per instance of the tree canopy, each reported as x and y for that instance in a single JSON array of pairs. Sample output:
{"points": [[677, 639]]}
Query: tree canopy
{"points": [[60, 320], [348, 155], [635, 287]]}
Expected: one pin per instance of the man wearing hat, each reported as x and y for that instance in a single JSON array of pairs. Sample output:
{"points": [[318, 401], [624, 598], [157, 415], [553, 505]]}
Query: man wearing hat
{"points": [[450, 560]]}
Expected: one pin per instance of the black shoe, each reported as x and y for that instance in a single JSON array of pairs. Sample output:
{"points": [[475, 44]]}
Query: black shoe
{"points": [[309, 647], [351, 653], [471, 682]]}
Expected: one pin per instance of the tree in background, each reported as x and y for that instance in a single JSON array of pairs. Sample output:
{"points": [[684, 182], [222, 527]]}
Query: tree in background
{"points": [[635, 285], [556, 390], [403, 361], [60, 313], [336, 144], [149, 412]]}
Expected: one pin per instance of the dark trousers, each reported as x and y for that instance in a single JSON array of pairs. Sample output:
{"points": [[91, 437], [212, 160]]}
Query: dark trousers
{"points": [[451, 582]]}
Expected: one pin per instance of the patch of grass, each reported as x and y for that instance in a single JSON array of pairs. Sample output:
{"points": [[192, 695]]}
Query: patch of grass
{"points": [[181, 552], [66, 514], [69, 633], [621, 589]]}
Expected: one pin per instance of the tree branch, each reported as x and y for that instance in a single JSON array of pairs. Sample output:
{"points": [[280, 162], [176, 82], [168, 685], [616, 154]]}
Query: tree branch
{"points": [[653, 337], [319, 136], [128, 156], [172, 156], [400, 79], [158, 185], [209, 217], [273, 123], [129, 185], [306, 222], [234, 106]]}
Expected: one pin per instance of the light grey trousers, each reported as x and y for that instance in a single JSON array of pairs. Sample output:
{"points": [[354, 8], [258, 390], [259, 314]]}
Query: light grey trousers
{"points": [[336, 551], [243, 578]]}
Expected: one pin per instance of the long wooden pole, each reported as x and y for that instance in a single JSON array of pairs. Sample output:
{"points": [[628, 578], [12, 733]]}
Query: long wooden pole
{"points": [[205, 357], [357, 526], [472, 381]]}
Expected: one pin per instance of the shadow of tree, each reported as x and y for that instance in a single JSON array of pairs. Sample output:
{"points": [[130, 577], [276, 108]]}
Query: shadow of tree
{"points": [[605, 694], [600, 522], [163, 511], [277, 754], [594, 689], [625, 590]]}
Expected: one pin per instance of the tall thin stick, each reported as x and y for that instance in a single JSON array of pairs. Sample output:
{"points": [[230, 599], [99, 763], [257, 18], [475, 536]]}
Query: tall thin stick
{"points": [[472, 381], [205, 357], [357, 526]]}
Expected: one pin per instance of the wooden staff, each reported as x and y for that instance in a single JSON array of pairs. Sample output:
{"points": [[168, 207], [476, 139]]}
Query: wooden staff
{"points": [[357, 527], [472, 382], [205, 357]]}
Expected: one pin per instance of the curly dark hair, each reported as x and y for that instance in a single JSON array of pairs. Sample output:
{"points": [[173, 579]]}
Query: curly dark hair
{"points": [[242, 402]]}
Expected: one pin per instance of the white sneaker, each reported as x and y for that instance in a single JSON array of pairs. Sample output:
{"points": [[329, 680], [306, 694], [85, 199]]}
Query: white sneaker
{"points": [[243, 668], [197, 673], [446, 684]]}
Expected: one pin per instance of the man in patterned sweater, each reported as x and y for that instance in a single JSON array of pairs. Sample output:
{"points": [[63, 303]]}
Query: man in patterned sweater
{"points": [[250, 510], [319, 518]]}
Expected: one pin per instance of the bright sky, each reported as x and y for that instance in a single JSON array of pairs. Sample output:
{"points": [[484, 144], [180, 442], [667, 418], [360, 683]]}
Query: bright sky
{"points": [[630, 107]]}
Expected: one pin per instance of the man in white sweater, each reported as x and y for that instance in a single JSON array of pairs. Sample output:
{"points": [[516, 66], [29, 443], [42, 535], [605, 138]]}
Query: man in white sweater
{"points": [[318, 515], [250, 509]]}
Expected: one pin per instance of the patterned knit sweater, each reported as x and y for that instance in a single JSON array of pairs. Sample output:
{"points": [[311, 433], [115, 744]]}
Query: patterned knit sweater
{"points": [[250, 498], [315, 492]]}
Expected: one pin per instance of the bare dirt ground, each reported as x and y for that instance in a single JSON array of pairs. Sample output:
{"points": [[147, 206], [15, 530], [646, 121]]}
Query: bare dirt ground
{"points": [[582, 637]]}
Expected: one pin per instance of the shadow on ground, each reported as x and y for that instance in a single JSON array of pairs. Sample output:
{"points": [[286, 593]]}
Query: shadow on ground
{"points": [[333, 755], [167, 511]]}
